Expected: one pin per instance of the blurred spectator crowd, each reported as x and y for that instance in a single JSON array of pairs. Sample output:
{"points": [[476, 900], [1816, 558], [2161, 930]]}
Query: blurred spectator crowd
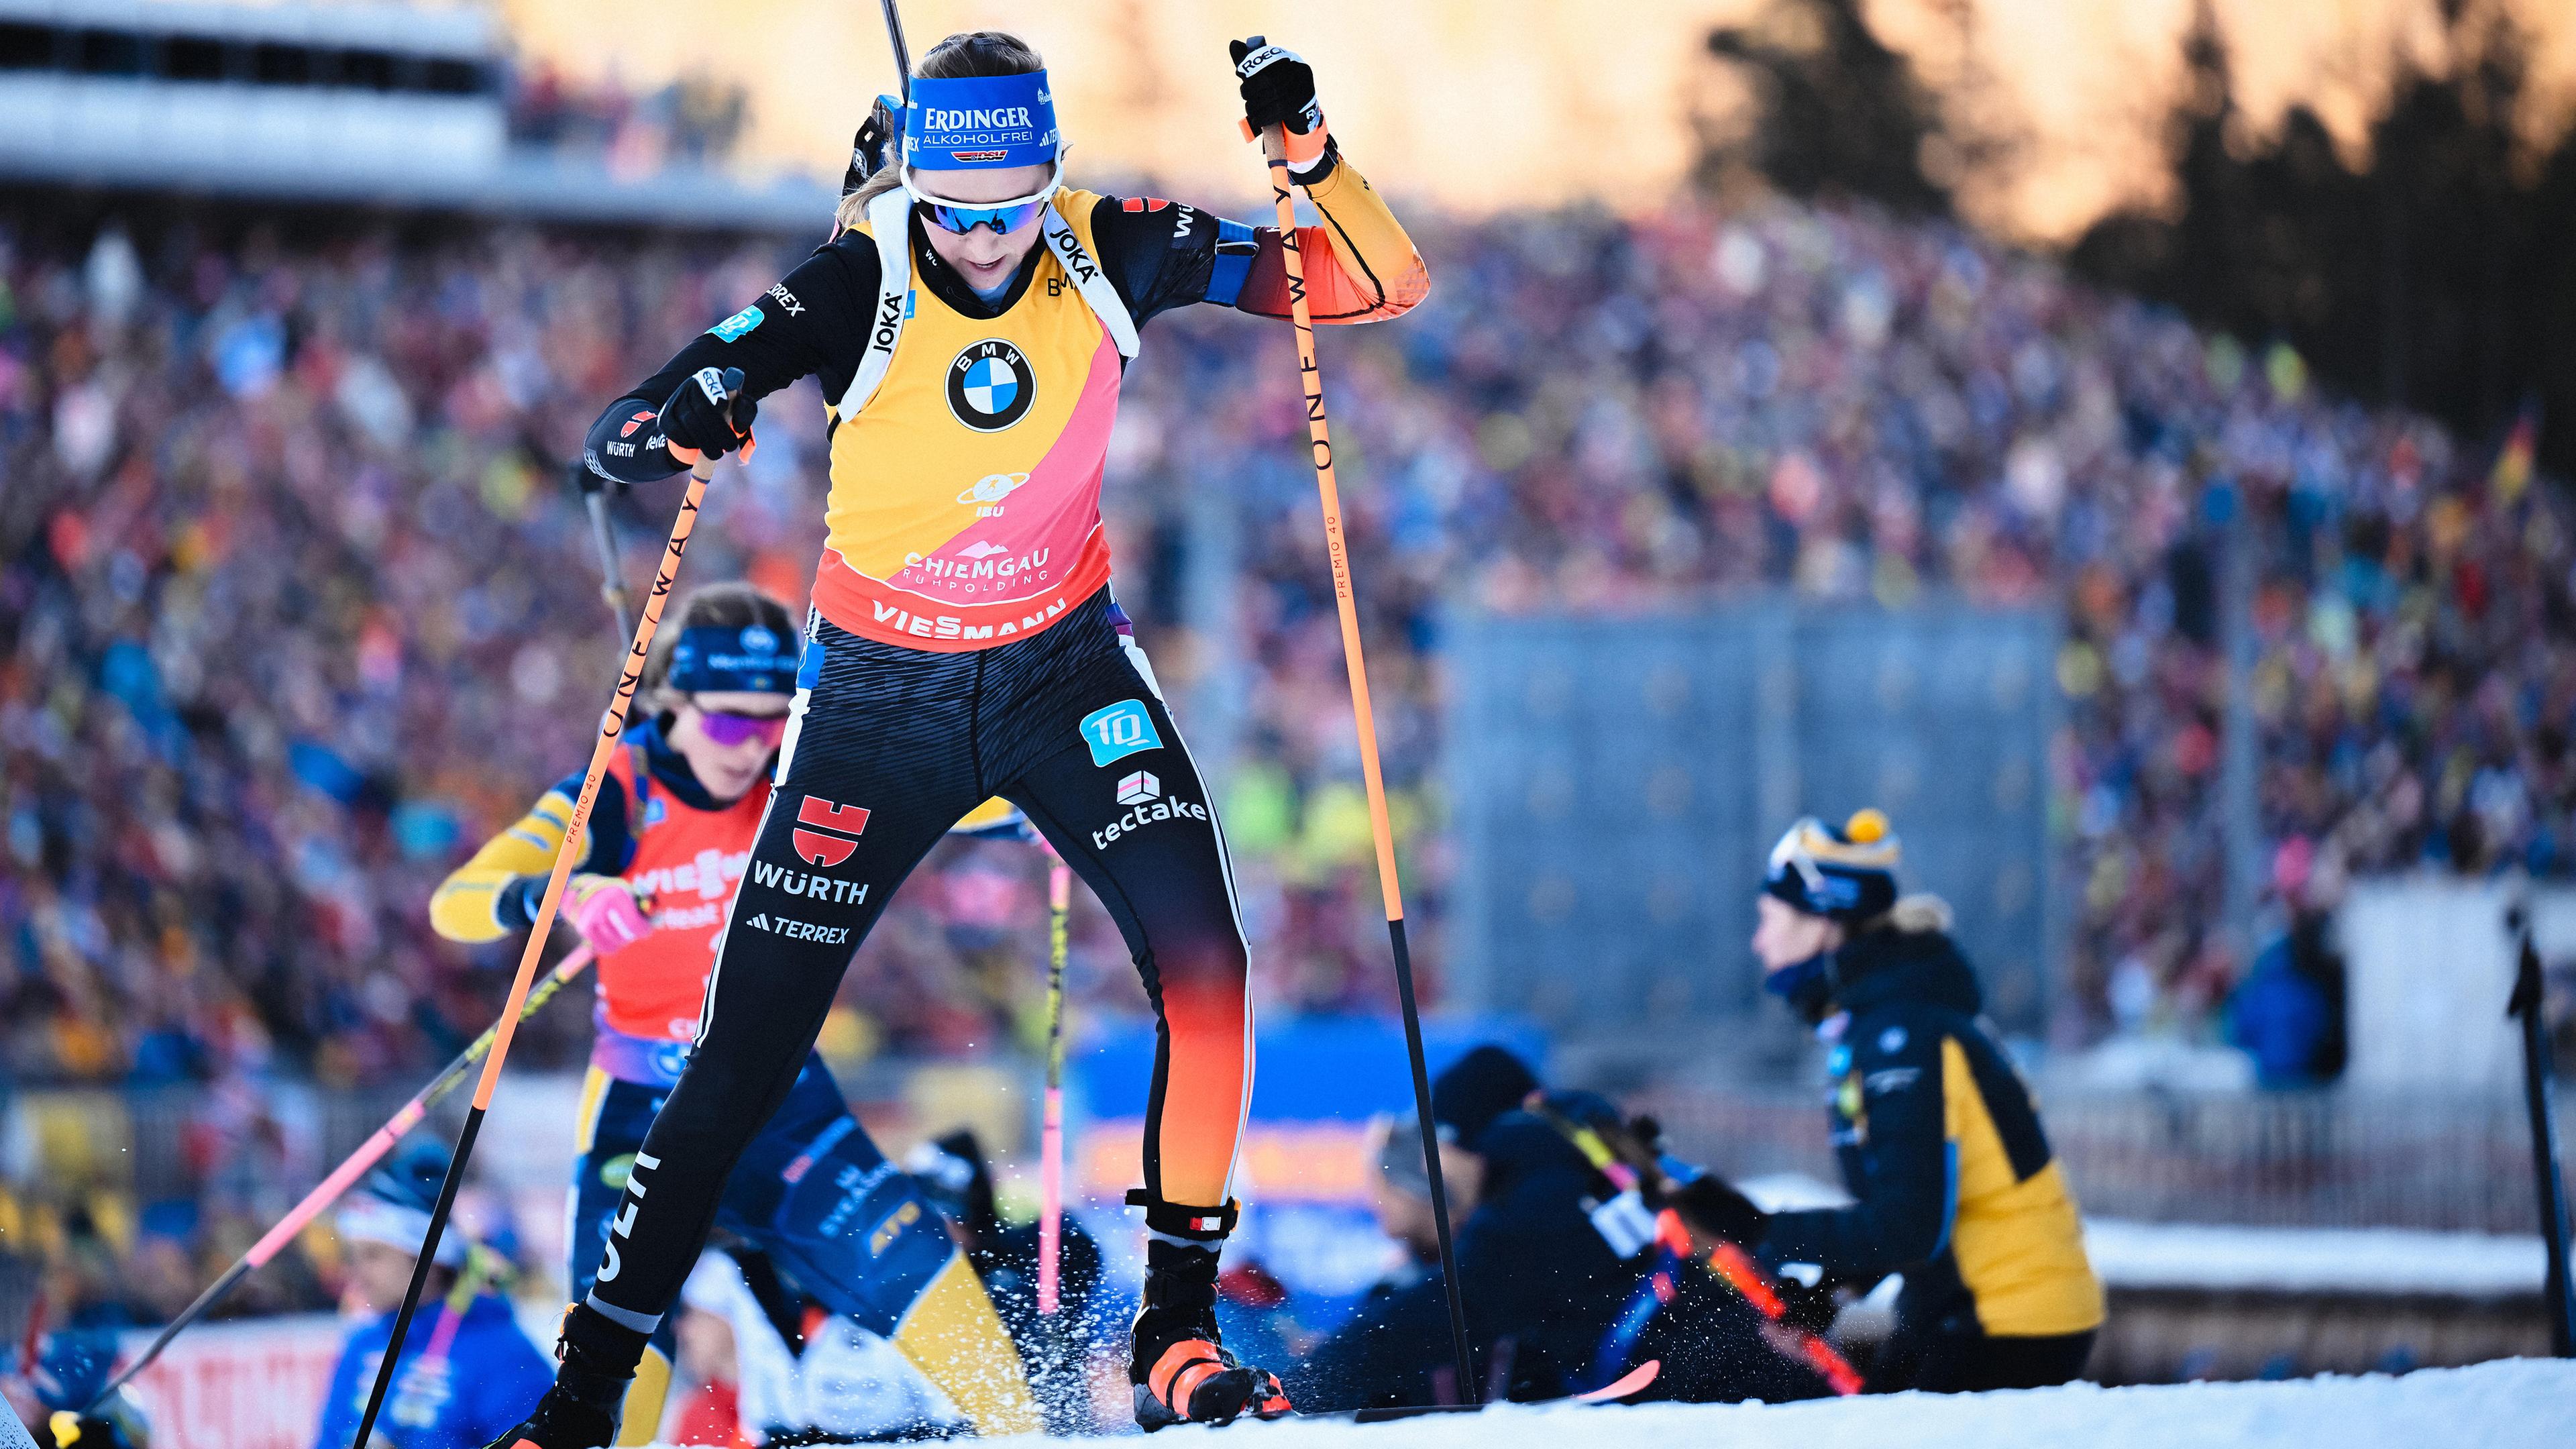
{"points": [[693, 119], [297, 605]]}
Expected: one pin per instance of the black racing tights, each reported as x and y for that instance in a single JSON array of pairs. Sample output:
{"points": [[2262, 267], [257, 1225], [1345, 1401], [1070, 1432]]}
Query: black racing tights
{"points": [[887, 748]]}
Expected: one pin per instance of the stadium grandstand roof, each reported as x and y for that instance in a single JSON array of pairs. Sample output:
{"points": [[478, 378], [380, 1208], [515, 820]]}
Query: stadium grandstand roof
{"points": [[373, 104]]}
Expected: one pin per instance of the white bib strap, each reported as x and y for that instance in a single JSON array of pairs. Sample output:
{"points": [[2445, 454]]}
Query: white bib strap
{"points": [[1093, 283], [890, 220]]}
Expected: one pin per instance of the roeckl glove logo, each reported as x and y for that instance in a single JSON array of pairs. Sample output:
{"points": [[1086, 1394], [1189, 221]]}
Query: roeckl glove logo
{"points": [[836, 832]]}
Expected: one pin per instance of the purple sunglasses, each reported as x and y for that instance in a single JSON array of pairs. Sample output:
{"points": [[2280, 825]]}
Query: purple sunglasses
{"points": [[724, 728]]}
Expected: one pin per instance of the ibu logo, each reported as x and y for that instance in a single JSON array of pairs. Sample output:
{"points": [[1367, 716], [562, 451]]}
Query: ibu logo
{"points": [[1139, 787], [990, 385], [986, 496], [1119, 731]]}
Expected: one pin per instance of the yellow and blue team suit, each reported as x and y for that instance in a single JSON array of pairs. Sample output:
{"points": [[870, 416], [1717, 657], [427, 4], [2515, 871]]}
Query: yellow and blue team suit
{"points": [[811, 1190]]}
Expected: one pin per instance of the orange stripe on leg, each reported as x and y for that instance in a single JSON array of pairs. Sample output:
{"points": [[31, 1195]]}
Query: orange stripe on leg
{"points": [[1203, 1088]]}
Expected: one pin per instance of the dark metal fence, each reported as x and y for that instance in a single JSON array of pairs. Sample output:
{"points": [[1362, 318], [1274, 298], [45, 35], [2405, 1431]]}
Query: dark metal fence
{"points": [[2313, 1159], [1617, 782], [2306, 1159]]}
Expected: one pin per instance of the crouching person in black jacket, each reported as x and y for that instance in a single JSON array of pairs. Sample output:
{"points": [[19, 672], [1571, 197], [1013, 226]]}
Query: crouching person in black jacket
{"points": [[1935, 1131], [1565, 1261]]}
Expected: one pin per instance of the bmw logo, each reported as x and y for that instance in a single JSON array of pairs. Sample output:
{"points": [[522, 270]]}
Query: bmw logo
{"points": [[990, 385]]}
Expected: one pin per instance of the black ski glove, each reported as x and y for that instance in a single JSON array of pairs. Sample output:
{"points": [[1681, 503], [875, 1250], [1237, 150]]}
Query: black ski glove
{"points": [[1279, 90], [1813, 1309], [1710, 1204], [695, 420]]}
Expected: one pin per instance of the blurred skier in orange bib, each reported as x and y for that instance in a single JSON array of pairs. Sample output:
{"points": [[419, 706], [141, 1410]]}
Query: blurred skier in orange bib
{"points": [[658, 862]]}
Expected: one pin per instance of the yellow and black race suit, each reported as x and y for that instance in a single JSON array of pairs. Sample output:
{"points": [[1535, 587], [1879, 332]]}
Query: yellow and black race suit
{"points": [[1939, 1140]]}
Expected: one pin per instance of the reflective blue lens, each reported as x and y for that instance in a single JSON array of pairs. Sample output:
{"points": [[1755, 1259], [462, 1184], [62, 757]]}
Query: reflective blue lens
{"points": [[963, 219]]}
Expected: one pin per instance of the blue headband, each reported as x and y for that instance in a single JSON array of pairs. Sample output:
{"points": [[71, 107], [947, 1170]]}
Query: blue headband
{"points": [[751, 659], [980, 122]]}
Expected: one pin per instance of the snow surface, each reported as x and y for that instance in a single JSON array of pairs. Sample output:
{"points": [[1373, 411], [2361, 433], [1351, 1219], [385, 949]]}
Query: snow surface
{"points": [[2503, 1405], [2313, 1260]]}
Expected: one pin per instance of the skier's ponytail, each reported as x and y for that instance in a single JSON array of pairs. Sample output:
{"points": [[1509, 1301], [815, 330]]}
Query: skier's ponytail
{"points": [[968, 53]]}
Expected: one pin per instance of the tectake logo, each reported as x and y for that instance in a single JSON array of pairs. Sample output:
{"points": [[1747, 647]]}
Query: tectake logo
{"points": [[826, 845], [1142, 794]]}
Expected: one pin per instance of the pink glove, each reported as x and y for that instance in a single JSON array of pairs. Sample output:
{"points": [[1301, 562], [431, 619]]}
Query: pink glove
{"points": [[606, 913]]}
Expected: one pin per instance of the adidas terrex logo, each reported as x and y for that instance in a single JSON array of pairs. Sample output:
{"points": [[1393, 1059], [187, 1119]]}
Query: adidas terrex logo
{"points": [[826, 845], [800, 930]]}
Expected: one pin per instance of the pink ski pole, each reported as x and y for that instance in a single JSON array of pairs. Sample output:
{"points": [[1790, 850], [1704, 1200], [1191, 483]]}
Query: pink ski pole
{"points": [[369, 1153], [1051, 1136]]}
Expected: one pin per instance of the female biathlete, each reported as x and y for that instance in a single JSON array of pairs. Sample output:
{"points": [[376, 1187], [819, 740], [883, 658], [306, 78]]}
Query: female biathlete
{"points": [[969, 326], [668, 838]]}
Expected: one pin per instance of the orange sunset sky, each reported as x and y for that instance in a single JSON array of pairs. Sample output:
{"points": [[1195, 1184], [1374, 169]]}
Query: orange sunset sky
{"points": [[1482, 103]]}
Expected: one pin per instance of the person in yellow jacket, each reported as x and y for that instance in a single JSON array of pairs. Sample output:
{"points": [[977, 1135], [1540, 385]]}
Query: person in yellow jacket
{"points": [[668, 838], [1937, 1135]]}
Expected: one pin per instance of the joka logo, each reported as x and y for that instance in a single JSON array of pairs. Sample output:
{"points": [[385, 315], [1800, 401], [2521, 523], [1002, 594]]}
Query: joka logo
{"points": [[1139, 786], [990, 385], [824, 849], [637, 421]]}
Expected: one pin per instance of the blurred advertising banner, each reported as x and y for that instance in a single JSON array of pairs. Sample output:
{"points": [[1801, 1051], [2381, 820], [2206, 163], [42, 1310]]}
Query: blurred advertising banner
{"points": [[1304, 1175], [250, 1385]]}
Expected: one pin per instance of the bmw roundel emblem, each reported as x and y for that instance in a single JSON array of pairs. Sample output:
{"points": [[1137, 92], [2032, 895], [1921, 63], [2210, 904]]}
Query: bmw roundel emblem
{"points": [[990, 385]]}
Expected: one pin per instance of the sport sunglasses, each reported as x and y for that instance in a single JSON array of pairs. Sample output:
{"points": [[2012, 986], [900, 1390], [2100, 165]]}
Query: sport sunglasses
{"points": [[1002, 216], [727, 729]]}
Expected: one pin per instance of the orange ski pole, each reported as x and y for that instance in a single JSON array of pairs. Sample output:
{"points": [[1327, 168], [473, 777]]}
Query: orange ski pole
{"points": [[1311, 379], [611, 726]]}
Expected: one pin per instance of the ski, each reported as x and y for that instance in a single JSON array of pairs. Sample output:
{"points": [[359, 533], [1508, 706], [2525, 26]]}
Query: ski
{"points": [[1635, 1381]]}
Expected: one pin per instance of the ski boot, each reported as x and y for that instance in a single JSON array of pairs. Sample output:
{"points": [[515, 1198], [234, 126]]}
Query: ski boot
{"points": [[583, 1408], [1181, 1372]]}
